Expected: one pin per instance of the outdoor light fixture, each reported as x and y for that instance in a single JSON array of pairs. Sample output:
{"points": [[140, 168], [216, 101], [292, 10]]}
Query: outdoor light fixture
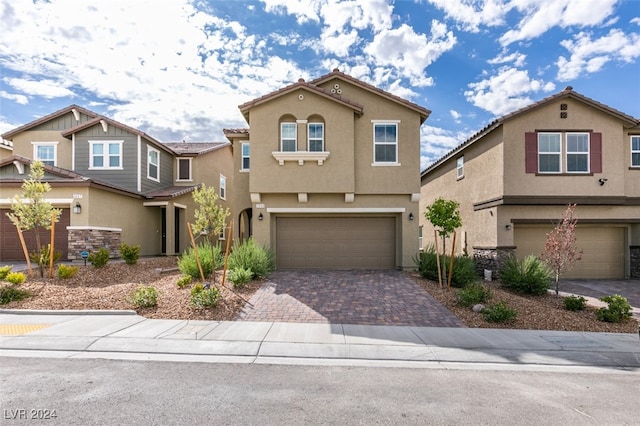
{"points": [[411, 216], [602, 181], [77, 208], [260, 217], [508, 226]]}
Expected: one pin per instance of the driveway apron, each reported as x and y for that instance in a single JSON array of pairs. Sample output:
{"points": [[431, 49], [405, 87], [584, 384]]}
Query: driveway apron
{"points": [[385, 297]]}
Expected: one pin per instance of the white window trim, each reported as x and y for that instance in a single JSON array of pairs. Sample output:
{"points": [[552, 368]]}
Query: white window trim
{"points": [[559, 153], [242, 157], [460, 167], [588, 152], [315, 139], [149, 151], [295, 136], [223, 187], [105, 155], [223, 235], [189, 159], [385, 163], [634, 151], [39, 144]]}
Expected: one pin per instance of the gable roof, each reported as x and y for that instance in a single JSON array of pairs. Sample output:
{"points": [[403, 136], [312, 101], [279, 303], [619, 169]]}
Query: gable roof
{"points": [[300, 84], [192, 149], [567, 93], [336, 73], [11, 133]]}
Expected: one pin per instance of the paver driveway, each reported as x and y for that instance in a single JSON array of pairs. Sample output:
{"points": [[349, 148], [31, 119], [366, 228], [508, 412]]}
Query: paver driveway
{"points": [[386, 297]]}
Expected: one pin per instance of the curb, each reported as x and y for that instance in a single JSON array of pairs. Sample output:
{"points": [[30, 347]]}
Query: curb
{"points": [[66, 312]]}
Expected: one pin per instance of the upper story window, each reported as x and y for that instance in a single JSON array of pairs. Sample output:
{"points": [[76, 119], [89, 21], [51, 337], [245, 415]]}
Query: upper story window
{"points": [[577, 152], [246, 151], [460, 167], [184, 169], [153, 164], [385, 143], [223, 187], [635, 151], [288, 137], [549, 153], [315, 133], [45, 152], [105, 154]]}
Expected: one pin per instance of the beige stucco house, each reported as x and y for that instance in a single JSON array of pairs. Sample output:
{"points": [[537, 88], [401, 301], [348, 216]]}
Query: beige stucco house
{"points": [[112, 182], [328, 176], [514, 178]]}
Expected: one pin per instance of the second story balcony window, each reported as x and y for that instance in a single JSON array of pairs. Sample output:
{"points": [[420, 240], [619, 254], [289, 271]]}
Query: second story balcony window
{"points": [[246, 159], [105, 155], [316, 137], [288, 137], [385, 143], [45, 152]]}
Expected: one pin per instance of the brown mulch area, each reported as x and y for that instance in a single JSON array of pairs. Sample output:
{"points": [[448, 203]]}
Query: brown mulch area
{"points": [[534, 312], [110, 287]]}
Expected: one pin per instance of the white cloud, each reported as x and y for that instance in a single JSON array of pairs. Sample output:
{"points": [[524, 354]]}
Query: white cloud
{"points": [[304, 10], [436, 142], [19, 99], [517, 58], [506, 91], [48, 89], [542, 15], [635, 20], [589, 55], [471, 15], [455, 115]]}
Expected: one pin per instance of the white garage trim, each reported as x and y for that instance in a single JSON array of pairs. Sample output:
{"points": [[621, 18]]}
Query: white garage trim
{"points": [[336, 210]]}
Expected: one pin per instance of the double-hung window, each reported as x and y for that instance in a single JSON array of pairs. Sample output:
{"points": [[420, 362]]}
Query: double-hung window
{"points": [[385, 143], [288, 137], [549, 153], [184, 169], [460, 167], [153, 164], [223, 187], [635, 151], [316, 137], [105, 154], [246, 151], [45, 152], [577, 152]]}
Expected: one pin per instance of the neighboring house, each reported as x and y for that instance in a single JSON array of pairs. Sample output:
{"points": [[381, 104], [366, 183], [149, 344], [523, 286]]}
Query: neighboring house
{"points": [[6, 149], [514, 178], [113, 183], [329, 175]]}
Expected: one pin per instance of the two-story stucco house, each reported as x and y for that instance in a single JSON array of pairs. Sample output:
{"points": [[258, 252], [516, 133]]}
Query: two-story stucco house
{"points": [[514, 178], [330, 171], [113, 183]]}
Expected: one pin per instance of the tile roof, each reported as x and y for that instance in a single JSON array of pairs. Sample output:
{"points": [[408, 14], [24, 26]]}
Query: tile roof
{"points": [[171, 192], [194, 148], [566, 93]]}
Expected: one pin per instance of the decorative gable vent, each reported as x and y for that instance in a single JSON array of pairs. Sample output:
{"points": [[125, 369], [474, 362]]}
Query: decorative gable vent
{"points": [[563, 110], [336, 89]]}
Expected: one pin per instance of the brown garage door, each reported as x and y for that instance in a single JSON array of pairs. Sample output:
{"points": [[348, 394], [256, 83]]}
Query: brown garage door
{"points": [[602, 249], [10, 248], [335, 243]]}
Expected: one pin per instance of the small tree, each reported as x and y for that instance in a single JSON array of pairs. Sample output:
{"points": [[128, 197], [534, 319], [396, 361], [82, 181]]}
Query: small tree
{"points": [[31, 211], [560, 252], [444, 215], [210, 217]]}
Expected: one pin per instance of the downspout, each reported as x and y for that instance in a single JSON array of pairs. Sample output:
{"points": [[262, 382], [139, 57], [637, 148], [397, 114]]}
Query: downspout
{"points": [[139, 171]]}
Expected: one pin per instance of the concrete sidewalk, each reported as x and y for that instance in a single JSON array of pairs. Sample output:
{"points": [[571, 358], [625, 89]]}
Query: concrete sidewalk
{"points": [[125, 335]]}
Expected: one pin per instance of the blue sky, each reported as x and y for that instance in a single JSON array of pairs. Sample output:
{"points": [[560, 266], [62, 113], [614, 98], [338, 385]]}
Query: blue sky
{"points": [[177, 69]]}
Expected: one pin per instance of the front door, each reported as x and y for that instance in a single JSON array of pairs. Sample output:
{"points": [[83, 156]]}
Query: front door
{"points": [[163, 228]]}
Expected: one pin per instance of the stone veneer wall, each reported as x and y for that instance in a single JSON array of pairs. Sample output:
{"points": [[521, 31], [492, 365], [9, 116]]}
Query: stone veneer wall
{"points": [[491, 259], [635, 261], [91, 240]]}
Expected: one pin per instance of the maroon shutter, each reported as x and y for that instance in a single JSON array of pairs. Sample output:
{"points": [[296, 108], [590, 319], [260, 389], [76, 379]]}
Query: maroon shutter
{"points": [[531, 152], [595, 150]]}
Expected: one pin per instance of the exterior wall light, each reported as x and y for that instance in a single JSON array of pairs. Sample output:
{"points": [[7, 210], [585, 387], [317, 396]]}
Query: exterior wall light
{"points": [[507, 226], [411, 216], [77, 208], [260, 217]]}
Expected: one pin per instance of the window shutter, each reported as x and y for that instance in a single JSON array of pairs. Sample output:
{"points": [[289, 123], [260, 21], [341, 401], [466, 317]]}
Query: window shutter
{"points": [[595, 150], [531, 152]]}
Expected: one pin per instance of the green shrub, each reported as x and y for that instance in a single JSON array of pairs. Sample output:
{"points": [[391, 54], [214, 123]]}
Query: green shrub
{"points": [[100, 258], [472, 294], [464, 270], [204, 297], [249, 255], [530, 276], [129, 253], [42, 259], [16, 277], [618, 310], [184, 281], [499, 312], [4, 271], [145, 297], [575, 303], [206, 253], [240, 277], [9, 293], [66, 271]]}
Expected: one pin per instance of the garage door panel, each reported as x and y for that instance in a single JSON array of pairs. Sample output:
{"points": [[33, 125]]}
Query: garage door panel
{"points": [[10, 247], [335, 243], [602, 249]]}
